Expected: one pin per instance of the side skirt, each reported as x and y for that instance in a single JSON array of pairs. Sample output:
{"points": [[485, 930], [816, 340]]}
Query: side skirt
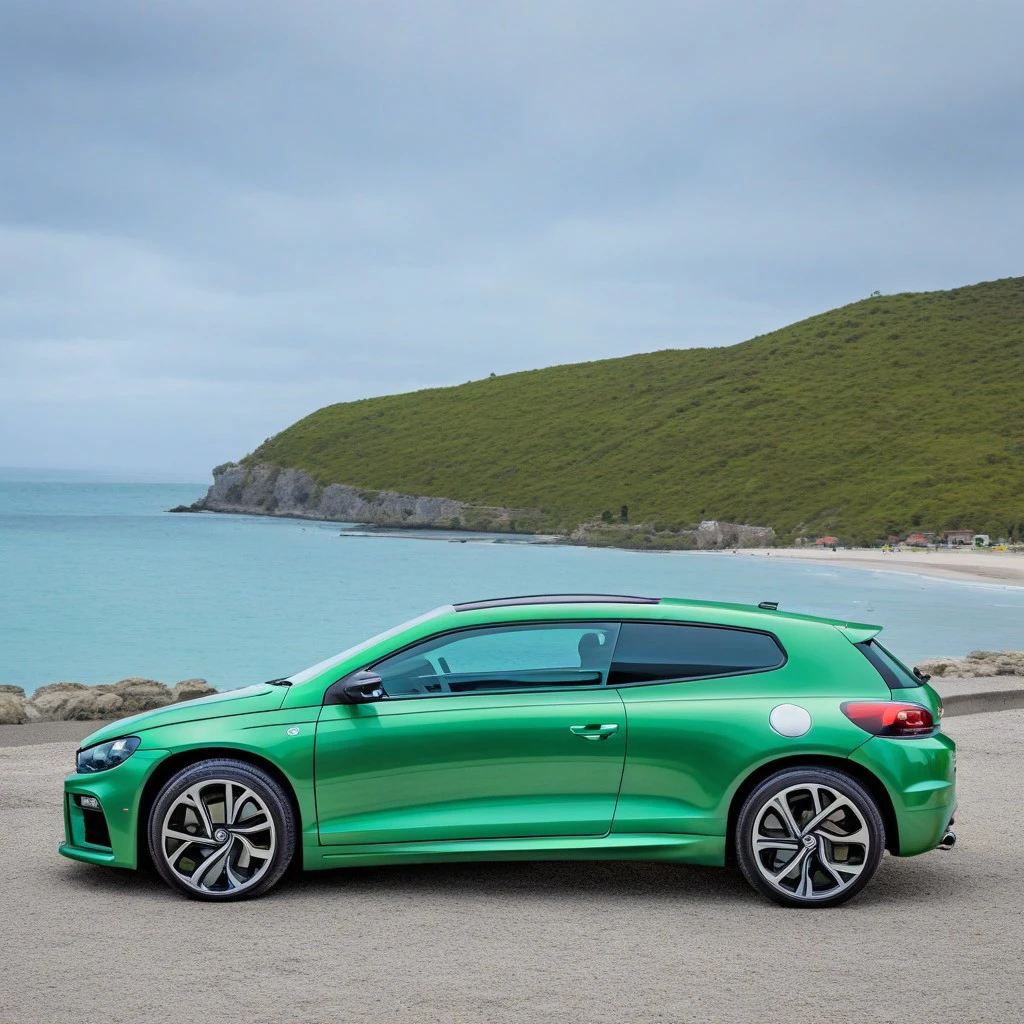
{"points": [[684, 849]]}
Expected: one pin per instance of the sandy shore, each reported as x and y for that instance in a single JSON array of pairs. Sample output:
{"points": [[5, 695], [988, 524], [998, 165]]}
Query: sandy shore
{"points": [[973, 566], [583, 943]]}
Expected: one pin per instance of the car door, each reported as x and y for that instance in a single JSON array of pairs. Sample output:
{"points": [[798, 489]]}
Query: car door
{"points": [[698, 699], [485, 733]]}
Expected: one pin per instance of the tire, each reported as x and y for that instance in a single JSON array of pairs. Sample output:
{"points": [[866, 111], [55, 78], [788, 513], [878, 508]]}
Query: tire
{"points": [[245, 816], [830, 856]]}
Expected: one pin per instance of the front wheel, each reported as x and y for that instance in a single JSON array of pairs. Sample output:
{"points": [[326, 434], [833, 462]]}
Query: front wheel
{"points": [[222, 830], [809, 837]]}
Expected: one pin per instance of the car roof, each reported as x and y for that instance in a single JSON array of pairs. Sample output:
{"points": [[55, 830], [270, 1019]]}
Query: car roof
{"points": [[508, 602], [677, 605]]}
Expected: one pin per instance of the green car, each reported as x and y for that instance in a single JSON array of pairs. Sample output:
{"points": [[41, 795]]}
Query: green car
{"points": [[553, 727]]}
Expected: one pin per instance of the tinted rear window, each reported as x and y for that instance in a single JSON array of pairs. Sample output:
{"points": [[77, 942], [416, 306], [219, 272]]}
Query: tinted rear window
{"points": [[890, 668], [648, 652]]}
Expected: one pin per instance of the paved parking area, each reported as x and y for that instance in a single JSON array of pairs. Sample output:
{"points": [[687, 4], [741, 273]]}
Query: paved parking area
{"points": [[934, 938]]}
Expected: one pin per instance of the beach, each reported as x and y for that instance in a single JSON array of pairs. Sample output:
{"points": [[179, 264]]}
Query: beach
{"points": [[967, 565]]}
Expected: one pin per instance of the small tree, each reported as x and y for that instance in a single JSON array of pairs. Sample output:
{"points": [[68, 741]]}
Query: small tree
{"points": [[606, 516], [624, 513]]}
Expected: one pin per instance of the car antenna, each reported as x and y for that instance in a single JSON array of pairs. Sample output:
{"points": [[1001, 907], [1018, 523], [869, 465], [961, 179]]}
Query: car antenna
{"points": [[769, 606]]}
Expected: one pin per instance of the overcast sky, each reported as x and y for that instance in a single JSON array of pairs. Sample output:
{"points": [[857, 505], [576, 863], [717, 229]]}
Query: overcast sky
{"points": [[218, 217]]}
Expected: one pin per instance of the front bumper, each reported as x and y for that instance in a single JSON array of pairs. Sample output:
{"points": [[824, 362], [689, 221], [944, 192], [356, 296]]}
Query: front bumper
{"points": [[920, 777], [107, 836]]}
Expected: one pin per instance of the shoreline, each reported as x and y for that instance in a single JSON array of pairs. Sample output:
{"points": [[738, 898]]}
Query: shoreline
{"points": [[1002, 568]]}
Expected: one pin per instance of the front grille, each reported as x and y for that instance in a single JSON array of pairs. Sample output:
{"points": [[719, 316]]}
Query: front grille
{"points": [[96, 831]]}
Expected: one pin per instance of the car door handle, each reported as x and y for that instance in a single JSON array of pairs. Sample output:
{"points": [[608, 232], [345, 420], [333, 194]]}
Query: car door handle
{"points": [[594, 732]]}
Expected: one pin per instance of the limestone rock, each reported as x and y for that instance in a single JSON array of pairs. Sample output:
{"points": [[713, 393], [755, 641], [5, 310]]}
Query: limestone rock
{"points": [[271, 490], [93, 705], [977, 665], [50, 701], [13, 709], [141, 695], [190, 689]]}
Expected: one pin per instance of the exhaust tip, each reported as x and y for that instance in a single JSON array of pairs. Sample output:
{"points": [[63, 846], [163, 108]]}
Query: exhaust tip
{"points": [[948, 840]]}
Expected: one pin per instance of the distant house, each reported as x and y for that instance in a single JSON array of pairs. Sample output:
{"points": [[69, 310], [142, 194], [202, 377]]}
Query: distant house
{"points": [[959, 538], [918, 540], [826, 542]]}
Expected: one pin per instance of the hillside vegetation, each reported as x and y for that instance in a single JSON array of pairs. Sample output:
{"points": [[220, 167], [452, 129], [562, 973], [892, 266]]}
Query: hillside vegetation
{"points": [[893, 413]]}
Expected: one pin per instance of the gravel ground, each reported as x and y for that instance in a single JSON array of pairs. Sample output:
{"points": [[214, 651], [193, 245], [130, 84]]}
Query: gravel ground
{"points": [[933, 938], [46, 732]]}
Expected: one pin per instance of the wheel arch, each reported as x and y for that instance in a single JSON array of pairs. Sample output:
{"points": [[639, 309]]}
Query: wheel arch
{"points": [[864, 776], [173, 764]]}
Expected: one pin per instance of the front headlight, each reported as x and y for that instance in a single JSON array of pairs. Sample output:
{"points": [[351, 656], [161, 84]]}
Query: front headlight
{"points": [[106, 755]]}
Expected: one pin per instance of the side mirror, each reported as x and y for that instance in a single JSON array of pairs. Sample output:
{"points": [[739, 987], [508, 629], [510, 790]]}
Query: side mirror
{"points": [[362, 687]]}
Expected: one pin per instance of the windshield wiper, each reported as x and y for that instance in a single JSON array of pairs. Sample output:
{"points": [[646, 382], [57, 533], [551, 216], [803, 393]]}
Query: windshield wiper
{"points": [[285, 681]]}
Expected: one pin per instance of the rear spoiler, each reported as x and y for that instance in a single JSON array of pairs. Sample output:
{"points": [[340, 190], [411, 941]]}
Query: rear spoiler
{"points": [[859, 632]]}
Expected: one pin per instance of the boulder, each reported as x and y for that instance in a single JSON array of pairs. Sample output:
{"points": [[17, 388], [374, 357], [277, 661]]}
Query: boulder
{"points": [[13, 709], [190, 689], [977, 665], [76, 702], [141, 695], [92, 706], [1002, 663], [50, 701]]}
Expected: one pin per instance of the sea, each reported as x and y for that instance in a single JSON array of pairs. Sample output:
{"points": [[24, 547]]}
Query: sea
{"points": [[98, 582]]}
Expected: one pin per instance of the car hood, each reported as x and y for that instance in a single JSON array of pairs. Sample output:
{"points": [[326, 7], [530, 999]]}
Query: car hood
{"points": [[232, 702]]}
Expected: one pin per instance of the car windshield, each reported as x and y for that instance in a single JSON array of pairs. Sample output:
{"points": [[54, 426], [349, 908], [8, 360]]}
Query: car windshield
{"points": [[323, 666]]}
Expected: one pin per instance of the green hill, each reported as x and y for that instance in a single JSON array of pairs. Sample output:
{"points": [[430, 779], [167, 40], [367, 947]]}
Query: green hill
{"points": [[893, 413]]}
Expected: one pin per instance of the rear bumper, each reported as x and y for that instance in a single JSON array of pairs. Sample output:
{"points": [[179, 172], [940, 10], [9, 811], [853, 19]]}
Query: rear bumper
{"points": [[920, 778]]}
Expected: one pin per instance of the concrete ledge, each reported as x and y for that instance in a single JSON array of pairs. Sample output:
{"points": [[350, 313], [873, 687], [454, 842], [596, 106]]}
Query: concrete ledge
{"points": [[979, 703], [976, 696]]}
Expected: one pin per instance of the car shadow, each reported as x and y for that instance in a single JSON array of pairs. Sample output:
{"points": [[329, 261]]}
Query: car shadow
{"points": [[543, 880], [535, 880]]}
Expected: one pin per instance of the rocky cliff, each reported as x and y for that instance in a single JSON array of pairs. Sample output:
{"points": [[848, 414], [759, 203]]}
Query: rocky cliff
{"points": [[265, 490]]}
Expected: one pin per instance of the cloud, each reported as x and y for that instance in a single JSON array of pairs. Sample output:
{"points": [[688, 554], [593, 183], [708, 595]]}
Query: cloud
{"points": [[216, 217]]}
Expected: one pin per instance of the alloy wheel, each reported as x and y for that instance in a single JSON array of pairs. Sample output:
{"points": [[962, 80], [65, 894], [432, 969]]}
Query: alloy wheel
{"points": [[810, 842], [218, 837]]}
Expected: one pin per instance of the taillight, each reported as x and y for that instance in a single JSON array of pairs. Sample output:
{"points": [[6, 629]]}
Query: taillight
{"points": [[890, 717]]}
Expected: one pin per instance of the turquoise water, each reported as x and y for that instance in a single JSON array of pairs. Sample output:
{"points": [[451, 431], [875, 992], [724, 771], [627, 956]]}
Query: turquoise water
{"points": [[98, 583]]}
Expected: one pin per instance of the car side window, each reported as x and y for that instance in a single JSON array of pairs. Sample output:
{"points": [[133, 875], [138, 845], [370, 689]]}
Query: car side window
{"points": [[539, 656], [649, 652]]}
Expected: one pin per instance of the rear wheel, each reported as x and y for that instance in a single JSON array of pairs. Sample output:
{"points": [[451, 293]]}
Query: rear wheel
{"points": [[809, 837], [222, 830]]}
